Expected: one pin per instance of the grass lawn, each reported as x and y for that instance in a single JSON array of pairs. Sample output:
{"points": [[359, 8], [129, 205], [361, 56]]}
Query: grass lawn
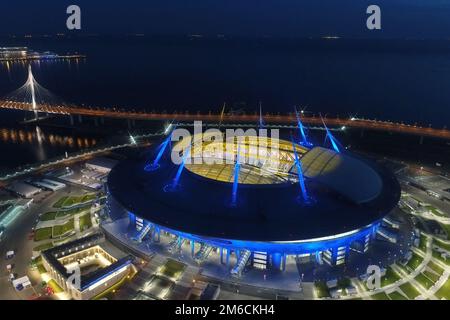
{"points": [[73, 211], [435, 211], [80, 199], [444, 291], [409, 290], [321, 289], [443, 245], [423, 243], [56, 288], [59, 203], [43, 234], [37, 260], [172, 268], [397, 296], [430, 275], [415, 261], [85, 222], [437, 255], [88, 197], [424, 281], [380, 296], [41, 268], [48, 216], [433, 266], [389, 278], [446, 227], [43, 247], [69, 201], [64, 228]]}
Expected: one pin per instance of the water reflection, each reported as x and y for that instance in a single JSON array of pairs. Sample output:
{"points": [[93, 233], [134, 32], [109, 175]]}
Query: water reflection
{"points": [[41, 154], [39, 138], [69, 62], [17, 68]]}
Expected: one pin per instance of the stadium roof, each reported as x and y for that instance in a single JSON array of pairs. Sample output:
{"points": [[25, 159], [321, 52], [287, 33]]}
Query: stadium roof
{"points": [[347, 175], [264, 212], [225, 172]]}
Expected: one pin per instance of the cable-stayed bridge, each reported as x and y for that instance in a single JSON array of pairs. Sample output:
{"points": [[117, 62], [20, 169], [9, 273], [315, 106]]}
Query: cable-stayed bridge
{"points": [[33, 97]]}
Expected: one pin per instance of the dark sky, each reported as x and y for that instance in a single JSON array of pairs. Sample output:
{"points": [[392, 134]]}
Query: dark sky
{"points": [[286, 18]]}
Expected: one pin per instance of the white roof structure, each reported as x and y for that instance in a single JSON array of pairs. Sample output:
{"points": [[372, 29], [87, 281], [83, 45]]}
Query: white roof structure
{"points": [[345, 174], [23, 189], [102, 163], [50, 184]]}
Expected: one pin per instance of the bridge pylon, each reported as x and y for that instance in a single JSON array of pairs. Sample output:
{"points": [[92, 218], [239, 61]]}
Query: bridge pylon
{"points": [[31, 82]]}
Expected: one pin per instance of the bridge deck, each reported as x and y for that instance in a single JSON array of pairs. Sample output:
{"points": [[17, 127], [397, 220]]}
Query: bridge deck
{"points": [[229, 118]]}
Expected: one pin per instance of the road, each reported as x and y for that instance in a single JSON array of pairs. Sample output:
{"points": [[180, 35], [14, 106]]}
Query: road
{"points": [[17, 239], [228, 118]]}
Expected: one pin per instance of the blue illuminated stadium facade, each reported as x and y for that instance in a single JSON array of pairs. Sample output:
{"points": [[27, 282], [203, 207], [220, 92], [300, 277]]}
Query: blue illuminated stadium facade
{"points": [[268, 223]]}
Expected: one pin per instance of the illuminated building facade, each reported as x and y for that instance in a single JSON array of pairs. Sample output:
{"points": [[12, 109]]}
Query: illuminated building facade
{"points": [[264, 219], [84, 254]]}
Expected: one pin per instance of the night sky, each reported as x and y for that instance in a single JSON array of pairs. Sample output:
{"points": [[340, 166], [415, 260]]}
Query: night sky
{"points": [[253, 18]]}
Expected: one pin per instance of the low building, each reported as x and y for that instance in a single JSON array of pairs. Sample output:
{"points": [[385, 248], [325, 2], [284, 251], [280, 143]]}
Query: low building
{"points": [[23, 189], [96, 268], [101, 164], [60, 173], [94, 175], [48, 184], [10, 212]]}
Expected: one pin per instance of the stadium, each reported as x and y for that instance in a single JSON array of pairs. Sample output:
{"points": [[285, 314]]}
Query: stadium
{"points": [[252, 204]]}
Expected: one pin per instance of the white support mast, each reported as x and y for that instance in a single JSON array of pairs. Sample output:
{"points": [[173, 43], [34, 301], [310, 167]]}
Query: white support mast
{"points": [[31, 83]]}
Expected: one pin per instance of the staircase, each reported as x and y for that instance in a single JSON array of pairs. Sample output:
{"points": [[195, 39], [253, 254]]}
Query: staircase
{"points": [[143, 232], [241, 263], [203, 253]]}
